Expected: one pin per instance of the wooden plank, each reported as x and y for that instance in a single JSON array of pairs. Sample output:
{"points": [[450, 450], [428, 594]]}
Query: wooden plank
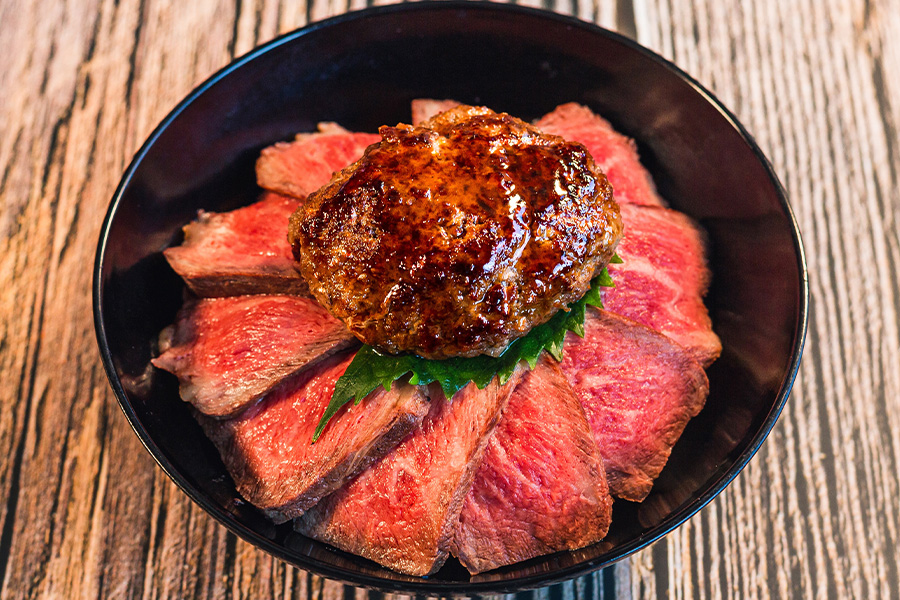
{"points": [[84, 511], [816, 513]]}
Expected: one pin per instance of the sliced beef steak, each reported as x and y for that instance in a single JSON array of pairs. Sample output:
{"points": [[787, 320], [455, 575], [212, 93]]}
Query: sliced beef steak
{"points": [[402, 512], [425, 108], [268, 448], [663, 279], [301, 167], [541, 486], [615, 154], [638, 389], [244, 251], [229, 352]]}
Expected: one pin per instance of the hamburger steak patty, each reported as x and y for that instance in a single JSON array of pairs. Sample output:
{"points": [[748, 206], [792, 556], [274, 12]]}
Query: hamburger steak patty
{"points": [[456, 237]]}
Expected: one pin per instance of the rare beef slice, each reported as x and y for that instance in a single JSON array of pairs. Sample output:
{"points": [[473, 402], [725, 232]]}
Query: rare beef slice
{"points": [[244, 251], [423, 109], [615, 154], [541, 486], [402, 511], [301, 167], [663, 278], [638, 389], [269, 452], [229, 352]]}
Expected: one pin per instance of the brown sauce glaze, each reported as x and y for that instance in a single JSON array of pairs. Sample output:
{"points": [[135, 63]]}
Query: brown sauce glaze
{"points": [[456, 237]]}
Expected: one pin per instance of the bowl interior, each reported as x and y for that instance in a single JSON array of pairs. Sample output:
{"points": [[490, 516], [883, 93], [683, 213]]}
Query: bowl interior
{"points": [[361, 70]]}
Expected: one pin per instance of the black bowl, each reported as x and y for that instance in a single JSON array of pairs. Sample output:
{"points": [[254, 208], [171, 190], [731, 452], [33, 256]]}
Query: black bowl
{"points": [[361, 70]]}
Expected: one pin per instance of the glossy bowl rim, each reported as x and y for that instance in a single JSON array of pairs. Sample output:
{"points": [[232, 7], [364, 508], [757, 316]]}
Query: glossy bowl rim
{"points": [[424, 585]]}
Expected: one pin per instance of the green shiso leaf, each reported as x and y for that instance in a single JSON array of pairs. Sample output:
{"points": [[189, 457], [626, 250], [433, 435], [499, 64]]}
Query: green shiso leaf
{"points": [[370, 369]]}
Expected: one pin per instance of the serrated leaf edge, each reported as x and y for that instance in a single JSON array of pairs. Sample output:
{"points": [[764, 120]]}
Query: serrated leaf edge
{"points": [[421, 374]]}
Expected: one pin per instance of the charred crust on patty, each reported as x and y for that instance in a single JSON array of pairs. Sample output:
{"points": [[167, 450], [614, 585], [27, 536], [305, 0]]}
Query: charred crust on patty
{"points": [[458, 236]]}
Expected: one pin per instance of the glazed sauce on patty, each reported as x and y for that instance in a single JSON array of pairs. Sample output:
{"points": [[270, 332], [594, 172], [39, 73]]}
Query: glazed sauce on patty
{"points": [[454, 238]]}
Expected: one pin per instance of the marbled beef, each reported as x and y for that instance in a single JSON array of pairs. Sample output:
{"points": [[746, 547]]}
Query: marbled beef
{"points": [[244, 251], [541, 486], [229, 352], [663, 278], [402, 512], [638, 389], [269, 452], [615, 154], [301, 167]]}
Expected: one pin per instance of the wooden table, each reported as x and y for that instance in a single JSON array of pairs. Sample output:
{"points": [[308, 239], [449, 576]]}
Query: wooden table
{"points": [[85, 512]]}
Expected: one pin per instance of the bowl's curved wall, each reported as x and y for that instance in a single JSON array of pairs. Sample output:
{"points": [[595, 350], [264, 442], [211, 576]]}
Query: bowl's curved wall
{"points": [[362, 70]]}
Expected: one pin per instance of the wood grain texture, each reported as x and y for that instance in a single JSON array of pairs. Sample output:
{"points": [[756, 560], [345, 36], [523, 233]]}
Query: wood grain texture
{"points": [[84, 511], [816, 513]]}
